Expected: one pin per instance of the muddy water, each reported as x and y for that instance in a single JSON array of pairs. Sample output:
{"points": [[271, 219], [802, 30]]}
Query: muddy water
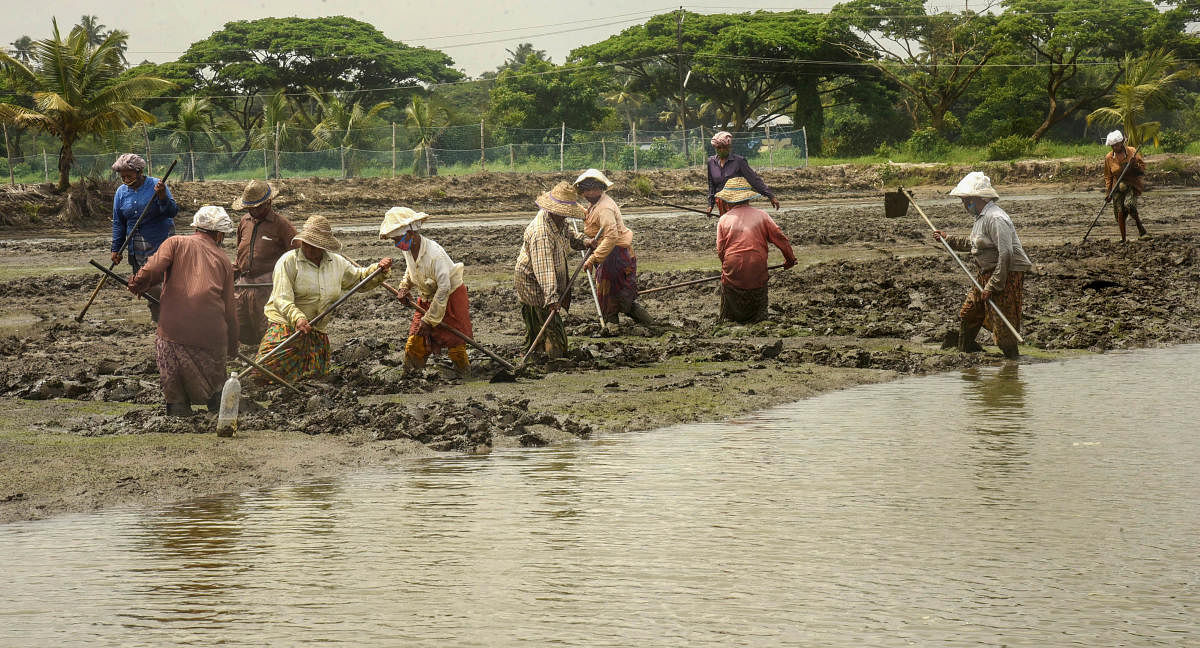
{"points": [[1033, 505]]}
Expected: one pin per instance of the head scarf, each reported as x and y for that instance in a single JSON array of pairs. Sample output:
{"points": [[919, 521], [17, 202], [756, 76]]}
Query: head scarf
{"points": [[975, 184], [212, 219], [1114, 137], [129, 162], [723, 138], [399, 220]]}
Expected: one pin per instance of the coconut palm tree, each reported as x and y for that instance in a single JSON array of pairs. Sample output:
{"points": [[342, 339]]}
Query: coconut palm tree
{"points": [[342, 125], [429, 118], [192, 124], [626, 99], [278, 125], [93, 29], [1149, 84], [77, 91]]}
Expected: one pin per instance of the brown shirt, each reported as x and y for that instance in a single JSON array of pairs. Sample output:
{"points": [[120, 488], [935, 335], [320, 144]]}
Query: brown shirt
{"points": [[261, 243], [197, 296], [1114, 164]]}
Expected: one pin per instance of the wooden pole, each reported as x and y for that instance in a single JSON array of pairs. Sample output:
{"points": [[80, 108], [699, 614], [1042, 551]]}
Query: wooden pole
{"points": [[482, 158], [770, 148], [149, 159], [512, 159], [393, 149], [603, 155], [635, 147], [266, 165], [192, 157], [45, 166], [12, 179], [342, 154], [276, 174], [562, 140]]}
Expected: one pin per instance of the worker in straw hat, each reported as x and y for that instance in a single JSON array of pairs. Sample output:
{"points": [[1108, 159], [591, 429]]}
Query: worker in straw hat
{"points": [[1002, 265], [437, 281], [612, 255], [263, 235], [541, 273], [306, 281], [197, 324], [743, 233], [141, 193], [725, 165], [1125, 198]]}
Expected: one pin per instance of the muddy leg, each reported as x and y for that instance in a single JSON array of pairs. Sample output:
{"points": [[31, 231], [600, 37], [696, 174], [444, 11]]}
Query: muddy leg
{"points": [[1137, 221], [970, 321], [179, 409]]}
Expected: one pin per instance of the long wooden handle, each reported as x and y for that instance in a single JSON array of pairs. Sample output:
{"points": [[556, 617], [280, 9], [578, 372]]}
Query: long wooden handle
{"points": [[322, 315], [463, 336], [965, 269], [1109, 197], [561, 300], [695, 281]]}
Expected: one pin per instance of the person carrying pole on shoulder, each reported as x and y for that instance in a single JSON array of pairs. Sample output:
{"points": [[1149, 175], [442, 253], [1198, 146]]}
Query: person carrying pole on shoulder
{"points": [[437, 281], [1002, 265], [612, 256], [725, 165], [541, 274], [743, 233], [263, 235], [197, 325], [137, 193], [306, 281], [1130, 187]]}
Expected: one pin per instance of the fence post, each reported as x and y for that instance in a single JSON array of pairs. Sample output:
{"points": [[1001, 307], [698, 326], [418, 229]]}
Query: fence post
{"points": [[266, 166], [342, 155], [393, 149], [149, 159], [512, 159], [770, 148], [45, 167], [192, 155], [635, 147], [804, 132], [276, 174], [562, 140], [12, 179], [603, 155], [482, 158]]}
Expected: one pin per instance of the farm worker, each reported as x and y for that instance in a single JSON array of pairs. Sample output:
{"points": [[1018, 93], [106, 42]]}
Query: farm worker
{"points": [[725, 165], [263, 235], [437, 281], [138, 190], [612, 256], [742, 236], [1125, 198], [306, 281], [197, 325], [541, 274], [1002, 264]]}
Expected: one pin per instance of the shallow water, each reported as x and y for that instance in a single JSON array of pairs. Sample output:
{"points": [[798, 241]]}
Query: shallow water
{"points": [[1034, 505]]}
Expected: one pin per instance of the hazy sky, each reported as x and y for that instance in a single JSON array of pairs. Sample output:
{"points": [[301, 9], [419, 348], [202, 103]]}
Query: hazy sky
{"points": [[474, 33]]}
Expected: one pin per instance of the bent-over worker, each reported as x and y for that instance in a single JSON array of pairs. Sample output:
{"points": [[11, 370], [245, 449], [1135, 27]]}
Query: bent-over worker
{"points": [[263, 235], [306, 281], [1125, 198], [438, 283], [541, 273], [743, 233], [612, 255], [197, 325], [1002, 264]]}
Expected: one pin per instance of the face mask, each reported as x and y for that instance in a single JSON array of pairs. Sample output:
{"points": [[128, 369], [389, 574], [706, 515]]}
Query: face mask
{"points": [[404, 242], [972, 210], [723, 153]]}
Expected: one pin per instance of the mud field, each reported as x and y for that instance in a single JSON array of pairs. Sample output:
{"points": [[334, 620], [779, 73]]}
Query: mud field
{"points": [[872, 299]]}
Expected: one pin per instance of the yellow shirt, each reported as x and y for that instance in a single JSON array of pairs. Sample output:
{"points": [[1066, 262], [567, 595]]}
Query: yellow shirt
{"points": [[303, 289]]}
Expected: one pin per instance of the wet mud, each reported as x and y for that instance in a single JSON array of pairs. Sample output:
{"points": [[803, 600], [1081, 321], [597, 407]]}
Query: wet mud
{"points": [[873, 298]]}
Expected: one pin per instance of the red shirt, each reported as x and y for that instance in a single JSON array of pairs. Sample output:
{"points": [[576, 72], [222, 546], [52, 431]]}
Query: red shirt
{"points": [[742, 237]]}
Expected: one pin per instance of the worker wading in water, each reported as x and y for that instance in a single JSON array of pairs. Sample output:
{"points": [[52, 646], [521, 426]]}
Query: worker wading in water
{"points": [[438, 284], [1002, 265]]}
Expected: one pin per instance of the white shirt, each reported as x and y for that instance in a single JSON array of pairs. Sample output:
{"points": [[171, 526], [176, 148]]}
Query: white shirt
{"points": [[433, 276]]}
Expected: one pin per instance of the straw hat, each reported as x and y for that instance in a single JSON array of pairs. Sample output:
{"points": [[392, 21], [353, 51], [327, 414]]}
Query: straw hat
{"points": [[594, 174], [256, 193], [317, 233], [562, 200], [1114, 137], [399, 219], [213, 219], [975, 184], [737, 190]]}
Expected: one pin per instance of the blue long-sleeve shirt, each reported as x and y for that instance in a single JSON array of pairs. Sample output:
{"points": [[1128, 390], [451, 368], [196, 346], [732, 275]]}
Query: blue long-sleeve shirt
{"points": [[158, 224]]}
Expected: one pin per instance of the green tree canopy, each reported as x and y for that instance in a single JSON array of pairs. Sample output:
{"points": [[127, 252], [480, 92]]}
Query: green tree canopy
{"points": [[540, 94]]}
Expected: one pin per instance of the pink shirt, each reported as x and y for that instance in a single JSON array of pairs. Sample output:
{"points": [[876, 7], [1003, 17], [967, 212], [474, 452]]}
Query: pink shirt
{"points": [[742, 237]]}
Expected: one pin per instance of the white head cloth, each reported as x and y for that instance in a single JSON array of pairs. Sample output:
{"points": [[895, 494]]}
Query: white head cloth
{"points": [[1114, 137], [975, 184], [213, 219]]}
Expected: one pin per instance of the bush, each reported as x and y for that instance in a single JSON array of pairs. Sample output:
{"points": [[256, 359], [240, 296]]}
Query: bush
{"points": [[641, 185], [927, 144], [1009, 147], [1170, 141]]}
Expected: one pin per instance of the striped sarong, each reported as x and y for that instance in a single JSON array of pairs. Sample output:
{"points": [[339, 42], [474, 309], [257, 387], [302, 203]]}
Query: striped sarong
{"points": [[554, 343], [188, 374], [306, 357], [616, 283]]}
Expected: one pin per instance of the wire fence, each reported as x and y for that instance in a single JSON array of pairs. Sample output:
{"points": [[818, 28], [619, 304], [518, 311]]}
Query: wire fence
{"points": [[392, 151]]}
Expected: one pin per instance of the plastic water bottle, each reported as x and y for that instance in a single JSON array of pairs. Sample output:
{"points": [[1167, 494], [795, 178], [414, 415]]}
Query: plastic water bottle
{"points": [[231, 395]]}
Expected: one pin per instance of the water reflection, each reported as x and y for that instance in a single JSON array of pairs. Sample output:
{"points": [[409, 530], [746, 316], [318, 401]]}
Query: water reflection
{"points": [[995, 405]]}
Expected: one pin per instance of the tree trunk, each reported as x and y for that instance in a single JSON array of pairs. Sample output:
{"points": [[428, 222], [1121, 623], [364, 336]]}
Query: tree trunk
{"points": [[810, 114], [65, 160]]}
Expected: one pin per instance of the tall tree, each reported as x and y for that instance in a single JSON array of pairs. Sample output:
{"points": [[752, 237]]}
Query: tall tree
{"points": [[22, 49], [540, 94], [92, 29], [1066, 38], [934, 57], [246, 60], [522, 55], [1149, 83], [77, 91], [427, 119], [192, 124]]}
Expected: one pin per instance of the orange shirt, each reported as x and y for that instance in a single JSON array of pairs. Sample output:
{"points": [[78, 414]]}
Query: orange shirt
{"points": [[1113, 164]]}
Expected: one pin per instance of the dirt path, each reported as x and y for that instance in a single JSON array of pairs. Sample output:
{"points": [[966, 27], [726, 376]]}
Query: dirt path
{"points": [[872, 300]]}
